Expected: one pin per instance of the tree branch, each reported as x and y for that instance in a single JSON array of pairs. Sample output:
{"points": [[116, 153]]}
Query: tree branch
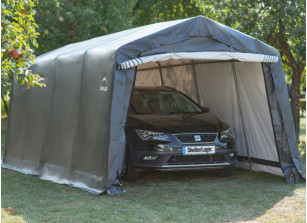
{"points": [[302, 66], [284, 47], [286, 62]]}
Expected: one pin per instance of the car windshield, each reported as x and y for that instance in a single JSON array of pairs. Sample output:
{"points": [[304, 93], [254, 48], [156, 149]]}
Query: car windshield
{"points": [[162, 101]]}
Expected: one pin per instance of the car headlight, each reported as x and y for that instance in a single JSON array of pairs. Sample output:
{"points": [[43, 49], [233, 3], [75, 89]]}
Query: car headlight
{"points": [[146, 135], [228, 133], [163, 138]]}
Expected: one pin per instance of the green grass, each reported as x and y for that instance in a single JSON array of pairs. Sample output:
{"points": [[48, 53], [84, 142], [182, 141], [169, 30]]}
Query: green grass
{"points": [[160, 197]]}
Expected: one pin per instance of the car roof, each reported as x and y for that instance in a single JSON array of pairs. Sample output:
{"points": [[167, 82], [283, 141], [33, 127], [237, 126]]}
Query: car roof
{"points": [[154, 88]]}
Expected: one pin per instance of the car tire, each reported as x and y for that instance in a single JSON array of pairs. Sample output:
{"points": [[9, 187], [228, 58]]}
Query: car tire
{"points": [[129, 173]]}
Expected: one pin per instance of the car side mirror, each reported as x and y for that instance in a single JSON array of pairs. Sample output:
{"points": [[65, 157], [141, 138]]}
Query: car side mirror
{"points": [[205, 109]]}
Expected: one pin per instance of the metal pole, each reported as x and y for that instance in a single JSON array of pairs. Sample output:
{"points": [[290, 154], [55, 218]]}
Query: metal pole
{"points": [[161, 77]]}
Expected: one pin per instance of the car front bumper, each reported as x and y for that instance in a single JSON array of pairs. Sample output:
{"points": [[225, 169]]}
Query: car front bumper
{"points": [[175, 161], [168, 156]]}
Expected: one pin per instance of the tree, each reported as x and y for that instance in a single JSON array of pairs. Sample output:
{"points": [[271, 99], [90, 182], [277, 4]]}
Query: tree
{"points": [[147, 12], [62, 22], [18, 38]]}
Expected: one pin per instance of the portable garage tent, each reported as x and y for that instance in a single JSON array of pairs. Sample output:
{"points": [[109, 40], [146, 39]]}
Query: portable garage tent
{"points": [[73, 131]]}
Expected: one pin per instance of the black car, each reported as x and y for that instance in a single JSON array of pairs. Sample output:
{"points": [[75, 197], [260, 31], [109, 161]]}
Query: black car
{"points": [[168, 131]]}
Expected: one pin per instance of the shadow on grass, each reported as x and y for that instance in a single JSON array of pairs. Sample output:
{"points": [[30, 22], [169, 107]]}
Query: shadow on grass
{"points": [[155, 197]]}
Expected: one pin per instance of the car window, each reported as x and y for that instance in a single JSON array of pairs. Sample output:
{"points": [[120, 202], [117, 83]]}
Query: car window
{"points": [[150, 101], [184, 104], [140, 103]]}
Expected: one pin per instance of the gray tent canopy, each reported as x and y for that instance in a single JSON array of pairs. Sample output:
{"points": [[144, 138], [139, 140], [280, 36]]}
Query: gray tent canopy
{"points": [[73, 131]]}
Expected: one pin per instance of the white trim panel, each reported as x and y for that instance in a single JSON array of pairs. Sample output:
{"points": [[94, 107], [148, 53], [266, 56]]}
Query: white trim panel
{"points": [[211, 56]]}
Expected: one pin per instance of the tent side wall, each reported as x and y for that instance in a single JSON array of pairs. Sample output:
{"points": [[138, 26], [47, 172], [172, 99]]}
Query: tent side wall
{"points": [[241, 100], [27, 123], [61, 132], [92, 164], [282, 122]]}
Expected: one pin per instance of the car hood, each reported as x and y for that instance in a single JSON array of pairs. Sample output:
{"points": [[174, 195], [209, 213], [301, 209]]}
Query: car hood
{"points": [[176, 123]]}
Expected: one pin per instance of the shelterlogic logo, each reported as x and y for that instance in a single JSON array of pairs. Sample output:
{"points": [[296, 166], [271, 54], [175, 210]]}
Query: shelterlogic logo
{"points": [[104, 85]]}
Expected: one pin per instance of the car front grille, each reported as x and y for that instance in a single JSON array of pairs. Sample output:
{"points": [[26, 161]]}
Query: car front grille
{"points": [[196, 159], [192, 138]]}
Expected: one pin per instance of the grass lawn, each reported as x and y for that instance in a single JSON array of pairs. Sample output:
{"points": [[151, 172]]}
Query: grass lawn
{"points": [[160, 197]]}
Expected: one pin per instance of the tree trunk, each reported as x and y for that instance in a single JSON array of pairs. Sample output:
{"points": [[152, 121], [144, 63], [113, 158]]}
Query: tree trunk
{"points": [[295, 100], [5, 105]]}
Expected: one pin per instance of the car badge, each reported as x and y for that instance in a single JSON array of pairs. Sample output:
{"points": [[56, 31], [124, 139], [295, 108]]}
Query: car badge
{"points": [[197, 138]]}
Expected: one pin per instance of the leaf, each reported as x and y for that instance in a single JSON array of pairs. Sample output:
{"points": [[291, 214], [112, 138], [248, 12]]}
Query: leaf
{"points": [[18, 33]]}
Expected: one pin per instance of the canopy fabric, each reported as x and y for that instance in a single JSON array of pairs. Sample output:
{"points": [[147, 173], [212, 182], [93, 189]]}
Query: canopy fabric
{"points": [[73, 131], [210, 56]]}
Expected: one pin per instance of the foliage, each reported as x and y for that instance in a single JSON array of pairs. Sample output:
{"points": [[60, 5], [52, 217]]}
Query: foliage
{"points": [[280, 23], [303, 105], [3, 110], [303, 79], [18, 40], [147, 12], [68, 21]]}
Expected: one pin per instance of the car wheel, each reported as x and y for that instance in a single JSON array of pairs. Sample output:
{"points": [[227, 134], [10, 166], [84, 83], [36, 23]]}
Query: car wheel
{"points": [[129, 173]]}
